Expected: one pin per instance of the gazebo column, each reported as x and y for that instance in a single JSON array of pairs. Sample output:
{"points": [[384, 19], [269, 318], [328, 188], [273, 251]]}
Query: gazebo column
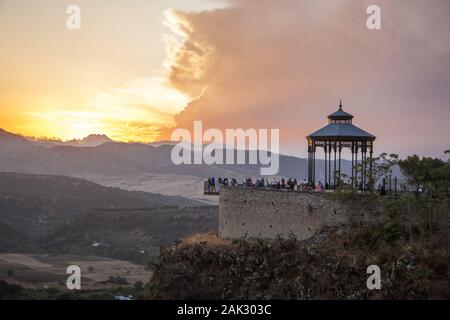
{"points": [[353, 162], [366, 179], [364, 159], [329, 164], [362, 165], [314, 163], [355, 182], [325, 171], [334, 165], [340, 153], [309, 163], [371, 183]]}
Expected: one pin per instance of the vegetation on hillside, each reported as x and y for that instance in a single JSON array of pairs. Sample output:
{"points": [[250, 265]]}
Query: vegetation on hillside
{"points": [[331, 265], [63, 215]]}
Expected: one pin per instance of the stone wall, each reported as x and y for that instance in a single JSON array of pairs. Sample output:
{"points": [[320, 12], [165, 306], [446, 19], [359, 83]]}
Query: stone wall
{"points": [[269, 213]]}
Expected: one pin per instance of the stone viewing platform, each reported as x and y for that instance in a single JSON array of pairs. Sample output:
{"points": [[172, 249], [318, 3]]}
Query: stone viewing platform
{"points": [[270, 213]]}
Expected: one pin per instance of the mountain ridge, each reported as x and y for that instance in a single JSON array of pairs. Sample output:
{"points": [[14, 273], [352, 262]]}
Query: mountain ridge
{"points": [[117, 158]]}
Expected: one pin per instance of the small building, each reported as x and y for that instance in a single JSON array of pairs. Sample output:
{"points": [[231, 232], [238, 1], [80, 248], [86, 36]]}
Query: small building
{"points": [[338, 134]]}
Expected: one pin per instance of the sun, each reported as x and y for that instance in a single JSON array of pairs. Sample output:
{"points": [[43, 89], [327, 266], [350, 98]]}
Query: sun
{"points": [[79, 130], [67, 125]]}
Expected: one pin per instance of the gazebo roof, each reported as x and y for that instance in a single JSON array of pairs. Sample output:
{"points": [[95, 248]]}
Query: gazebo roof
{"points": [[342, 130], [340, 114], [341, 126]]}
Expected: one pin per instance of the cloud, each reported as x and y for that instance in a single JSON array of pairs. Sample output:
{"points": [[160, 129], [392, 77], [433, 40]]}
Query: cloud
{"points": [[285, 64]]}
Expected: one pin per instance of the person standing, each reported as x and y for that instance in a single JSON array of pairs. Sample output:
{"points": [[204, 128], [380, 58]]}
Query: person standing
{"points": [[213, 184]]}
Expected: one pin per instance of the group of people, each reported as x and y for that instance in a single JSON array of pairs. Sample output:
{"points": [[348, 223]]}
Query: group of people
{"points": [[285, 184], [214, 186]]}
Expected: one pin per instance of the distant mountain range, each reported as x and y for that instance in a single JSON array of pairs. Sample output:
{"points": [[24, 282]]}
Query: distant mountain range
{"points": [[99, 155], [91, 140]]}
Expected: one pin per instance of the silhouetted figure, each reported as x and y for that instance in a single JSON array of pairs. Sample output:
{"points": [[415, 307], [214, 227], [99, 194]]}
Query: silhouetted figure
{"points": [[213, 184]]}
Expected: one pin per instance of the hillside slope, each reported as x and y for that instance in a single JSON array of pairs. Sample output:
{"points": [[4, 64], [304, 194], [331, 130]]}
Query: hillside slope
{"points": [[60, 214], [92, 195], [332, 265]]}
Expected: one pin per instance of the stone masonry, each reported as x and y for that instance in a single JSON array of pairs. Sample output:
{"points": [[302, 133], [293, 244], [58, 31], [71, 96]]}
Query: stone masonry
{"points": [[270, 213]]}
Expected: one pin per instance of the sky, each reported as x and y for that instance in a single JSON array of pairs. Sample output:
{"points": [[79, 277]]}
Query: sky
{"points": [[138, 69]]}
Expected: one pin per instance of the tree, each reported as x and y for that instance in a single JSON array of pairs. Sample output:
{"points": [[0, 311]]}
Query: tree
{"points": [[382, 166], [432, 174]]}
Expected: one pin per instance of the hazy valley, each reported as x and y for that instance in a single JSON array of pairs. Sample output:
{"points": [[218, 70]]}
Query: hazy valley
{"points": [[130, 166]]}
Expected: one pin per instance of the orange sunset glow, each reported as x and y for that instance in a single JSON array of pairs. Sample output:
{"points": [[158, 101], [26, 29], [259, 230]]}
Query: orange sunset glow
{"points": [[66, 84]]}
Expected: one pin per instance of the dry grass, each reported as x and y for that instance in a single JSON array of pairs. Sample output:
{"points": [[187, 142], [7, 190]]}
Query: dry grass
{"points": [[211, 239], [38, 271]]}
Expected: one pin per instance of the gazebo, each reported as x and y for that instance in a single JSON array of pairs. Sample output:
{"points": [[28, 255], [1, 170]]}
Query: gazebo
{"points": [[338, 134]]}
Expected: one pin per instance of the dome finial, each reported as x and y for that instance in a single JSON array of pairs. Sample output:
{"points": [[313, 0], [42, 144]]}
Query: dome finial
{"points": [[340, 104]]}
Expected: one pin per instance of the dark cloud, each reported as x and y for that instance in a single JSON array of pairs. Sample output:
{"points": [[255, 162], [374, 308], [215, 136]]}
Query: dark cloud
{"points": [[285, 64]]}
